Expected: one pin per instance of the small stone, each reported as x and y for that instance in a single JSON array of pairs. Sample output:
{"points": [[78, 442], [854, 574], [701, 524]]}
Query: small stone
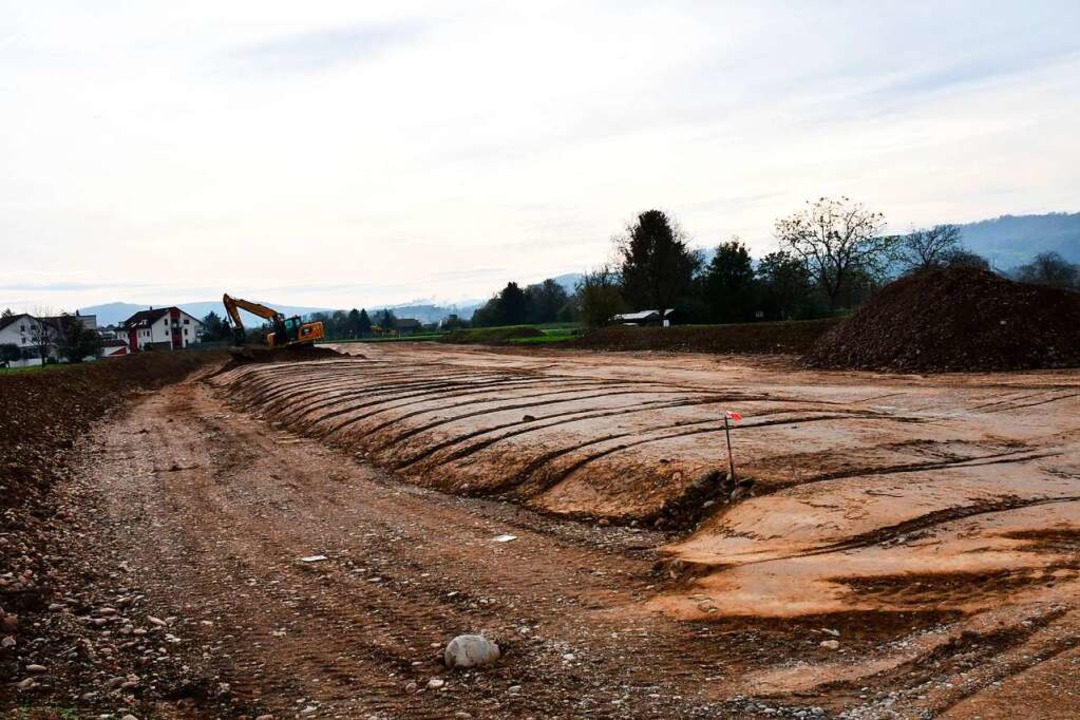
{"points": [[156, 621], [514, 689], [265, 717], [8, 641], [569, 657], [435, 683], [36, 669], [830, 644], [25, 684]]}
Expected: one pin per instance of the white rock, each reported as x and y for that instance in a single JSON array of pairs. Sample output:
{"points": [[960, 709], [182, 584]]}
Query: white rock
{"points": [[470, 651], [830, 644], [435, 683]]}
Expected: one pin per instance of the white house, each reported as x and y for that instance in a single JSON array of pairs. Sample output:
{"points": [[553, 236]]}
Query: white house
{"points": [[34, 337], [168, 328]]}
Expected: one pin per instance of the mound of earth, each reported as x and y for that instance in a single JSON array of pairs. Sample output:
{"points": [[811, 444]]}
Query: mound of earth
{"points": [[795, 337], [244, 354], [43, 415], [956, 319]]}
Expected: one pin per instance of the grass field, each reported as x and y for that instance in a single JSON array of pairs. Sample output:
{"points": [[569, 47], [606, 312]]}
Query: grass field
{"points": [[37, 368], [422, 337]]}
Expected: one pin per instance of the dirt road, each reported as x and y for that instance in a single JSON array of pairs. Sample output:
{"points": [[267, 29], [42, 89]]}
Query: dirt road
{"points": [[212, 511], [207, 509]]}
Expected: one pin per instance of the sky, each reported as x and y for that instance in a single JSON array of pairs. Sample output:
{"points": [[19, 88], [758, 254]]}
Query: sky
{"points": [[341, 154]]}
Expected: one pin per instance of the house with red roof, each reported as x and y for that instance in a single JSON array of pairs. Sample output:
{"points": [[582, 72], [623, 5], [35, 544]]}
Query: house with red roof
{"points": [[168, 328]]}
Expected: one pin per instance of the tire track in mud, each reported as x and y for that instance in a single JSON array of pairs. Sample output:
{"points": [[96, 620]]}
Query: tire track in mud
{"points": [[526, 474], [407, 388], [351, 417], [414, 395], [576, 397], [423, 399], [888, 533], [550, 395], [1002, 458], [225, 531], [563, 418]]}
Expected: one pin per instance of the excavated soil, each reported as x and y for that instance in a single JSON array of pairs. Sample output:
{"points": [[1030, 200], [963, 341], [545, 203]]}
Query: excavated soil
{"points": [[956, 319], [908, 548]]}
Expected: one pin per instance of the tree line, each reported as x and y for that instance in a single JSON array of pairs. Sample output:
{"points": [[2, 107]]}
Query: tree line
{"points": [[338, 325], [829, 257]]}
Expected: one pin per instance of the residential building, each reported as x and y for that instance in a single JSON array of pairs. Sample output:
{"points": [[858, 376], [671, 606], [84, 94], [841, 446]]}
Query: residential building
{"points": [[35, 338], [168, 328]]}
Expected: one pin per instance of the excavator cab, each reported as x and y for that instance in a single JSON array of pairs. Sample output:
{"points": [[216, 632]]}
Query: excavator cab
{"points": [[293, 331]]}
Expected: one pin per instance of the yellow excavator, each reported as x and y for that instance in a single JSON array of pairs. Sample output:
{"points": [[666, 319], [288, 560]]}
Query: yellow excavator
{"points": [[288, 332]]}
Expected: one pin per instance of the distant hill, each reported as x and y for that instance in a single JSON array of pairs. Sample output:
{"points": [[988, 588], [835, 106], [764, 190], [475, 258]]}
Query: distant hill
{"points": [[112, 313], [1012, 240], [569, 281], [430, 312]]}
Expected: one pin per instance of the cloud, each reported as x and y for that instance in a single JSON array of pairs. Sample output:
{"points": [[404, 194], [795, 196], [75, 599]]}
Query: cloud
{"points": [[70, 286], [345, 153], [321, 49]]}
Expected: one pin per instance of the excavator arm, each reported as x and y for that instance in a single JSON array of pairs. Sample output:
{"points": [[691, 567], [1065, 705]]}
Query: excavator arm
{"points": [[234, 305], [286, 332]]}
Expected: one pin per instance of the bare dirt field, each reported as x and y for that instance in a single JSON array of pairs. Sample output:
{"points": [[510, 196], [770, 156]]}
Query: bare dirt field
{"points": [[909, 547]]}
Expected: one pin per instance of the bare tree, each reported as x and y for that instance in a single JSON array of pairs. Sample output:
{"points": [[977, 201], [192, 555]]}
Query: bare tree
{"points": [[42, 335], [598, 296], [929, 247], [837, 239]]}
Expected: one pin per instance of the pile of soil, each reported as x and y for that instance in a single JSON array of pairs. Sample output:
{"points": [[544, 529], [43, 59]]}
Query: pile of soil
{"points": [[42, 416], [794, 337], [243, 354], [953, 320]]}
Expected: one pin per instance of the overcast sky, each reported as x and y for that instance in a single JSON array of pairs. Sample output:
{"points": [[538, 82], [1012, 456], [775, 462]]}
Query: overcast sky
{"points": [[359, 153]]}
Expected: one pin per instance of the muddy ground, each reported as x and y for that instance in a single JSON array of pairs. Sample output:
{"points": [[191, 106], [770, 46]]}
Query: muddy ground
{"points": [[909, 547]]}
